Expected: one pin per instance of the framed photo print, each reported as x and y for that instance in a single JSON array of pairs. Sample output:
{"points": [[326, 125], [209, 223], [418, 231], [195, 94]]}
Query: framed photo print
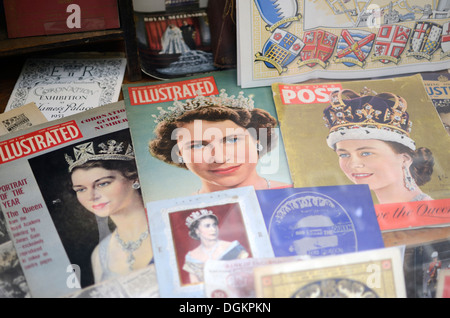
{"points": [[188, 232]]}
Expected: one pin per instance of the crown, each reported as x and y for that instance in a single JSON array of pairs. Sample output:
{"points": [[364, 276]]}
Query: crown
{"points": [[442, 78], [367, 116], [112, 150], [196, 215], [223, 99]]}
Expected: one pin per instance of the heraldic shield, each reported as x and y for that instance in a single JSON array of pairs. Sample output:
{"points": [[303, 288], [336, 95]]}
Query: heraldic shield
{"points": [[278, 13], [354, 46], [390, 43], [425, 40], [445, 40], [281, 49], [319, 46]]}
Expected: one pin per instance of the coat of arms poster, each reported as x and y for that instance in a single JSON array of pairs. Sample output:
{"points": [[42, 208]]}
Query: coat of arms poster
{"points": [[297, 40]]}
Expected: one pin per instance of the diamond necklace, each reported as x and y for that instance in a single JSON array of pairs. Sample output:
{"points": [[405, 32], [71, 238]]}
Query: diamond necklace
{"points": [[131, 247], [210, 251]]}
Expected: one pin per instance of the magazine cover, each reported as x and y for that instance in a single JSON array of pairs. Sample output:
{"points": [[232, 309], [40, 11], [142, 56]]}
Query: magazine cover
{"points": [[189, 231], [437, 85], [292, 41], [369, 274], [384, 133], [174, 44], [65, 86], [320, 221], [203, 134], [70, 195]]}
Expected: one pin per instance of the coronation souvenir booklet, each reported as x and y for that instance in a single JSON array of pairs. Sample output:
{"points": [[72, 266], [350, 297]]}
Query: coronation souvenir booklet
{"points": [[20, 118], [51, 236], [146, 102], [437, 85], [369, 274], [65, 86], [391, 109], [174, 44], [241, 234], [320, 221], [292, 41]]}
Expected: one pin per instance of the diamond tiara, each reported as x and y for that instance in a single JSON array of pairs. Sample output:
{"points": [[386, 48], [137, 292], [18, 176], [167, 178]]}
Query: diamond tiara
{"points": [[196, 215], [112, 150], [223, 99]]}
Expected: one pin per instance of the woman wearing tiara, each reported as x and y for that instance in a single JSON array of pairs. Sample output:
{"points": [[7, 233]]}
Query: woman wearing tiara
{"points": [[105, 181], [203, 227], [370, 135], [218, 138]]}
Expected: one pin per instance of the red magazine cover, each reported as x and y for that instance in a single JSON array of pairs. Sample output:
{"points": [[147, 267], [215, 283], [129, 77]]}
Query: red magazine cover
{"points": [[25, 18]]}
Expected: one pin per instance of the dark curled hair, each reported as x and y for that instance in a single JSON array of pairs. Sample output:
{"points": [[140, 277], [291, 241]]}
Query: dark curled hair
{"points": [[443, 109], [165, 148], [422, 162], [126, 167]]}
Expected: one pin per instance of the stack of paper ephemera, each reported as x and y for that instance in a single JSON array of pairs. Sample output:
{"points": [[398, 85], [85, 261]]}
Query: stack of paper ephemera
{"points": [[279, 179]]}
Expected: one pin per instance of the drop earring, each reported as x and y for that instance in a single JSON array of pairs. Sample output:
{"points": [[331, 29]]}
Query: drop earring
{"points": [[410, 184]]}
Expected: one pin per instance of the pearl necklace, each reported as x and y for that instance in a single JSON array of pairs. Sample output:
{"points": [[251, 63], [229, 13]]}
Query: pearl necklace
{"points": [[131, 247]]}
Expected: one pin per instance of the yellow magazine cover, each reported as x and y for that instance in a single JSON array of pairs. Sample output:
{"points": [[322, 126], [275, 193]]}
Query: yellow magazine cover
{"points": [[330, 130]]}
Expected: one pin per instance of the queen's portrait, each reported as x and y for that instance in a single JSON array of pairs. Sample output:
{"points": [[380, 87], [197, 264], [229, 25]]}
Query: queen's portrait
{"points": [[370, 134], [203, 227], [220, 139]]}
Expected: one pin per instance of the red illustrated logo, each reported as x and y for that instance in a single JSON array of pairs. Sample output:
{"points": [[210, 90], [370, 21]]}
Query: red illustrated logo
{"points": [[168, 92]]}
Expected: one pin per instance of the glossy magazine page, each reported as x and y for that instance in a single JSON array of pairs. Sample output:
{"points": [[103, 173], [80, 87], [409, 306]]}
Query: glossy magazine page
{"points": [[154, 105], [348, 132], [57, 204]]}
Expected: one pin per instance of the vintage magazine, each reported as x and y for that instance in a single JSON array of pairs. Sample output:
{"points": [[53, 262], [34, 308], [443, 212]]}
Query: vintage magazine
{"points": [[369, 274], [174, 44], [393, 110], [48, 237], [423, 265], [320, 221], [20, 118], [295, 40], [437, 85], [240, 230], [65, 86], [150, 103]]}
